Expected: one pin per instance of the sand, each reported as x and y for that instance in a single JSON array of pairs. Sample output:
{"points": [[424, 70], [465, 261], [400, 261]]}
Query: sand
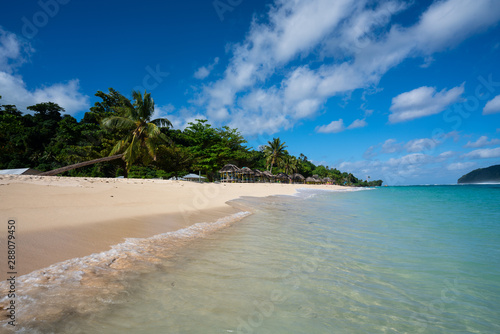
{"points": [[62, 218]]}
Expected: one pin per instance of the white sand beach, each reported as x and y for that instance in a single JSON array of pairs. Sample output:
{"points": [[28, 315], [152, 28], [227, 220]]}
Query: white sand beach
{"points": [[59, 218]]}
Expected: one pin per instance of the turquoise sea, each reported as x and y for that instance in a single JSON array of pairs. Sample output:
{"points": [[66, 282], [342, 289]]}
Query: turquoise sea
{"points": [[419, 259]]}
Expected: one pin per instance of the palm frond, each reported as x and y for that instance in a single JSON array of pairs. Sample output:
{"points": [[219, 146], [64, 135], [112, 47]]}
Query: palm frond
{"points": [[132, 152], [118, 147], [151, 148], [162, 122], [152, 130], [118, 122], [166, 139]]}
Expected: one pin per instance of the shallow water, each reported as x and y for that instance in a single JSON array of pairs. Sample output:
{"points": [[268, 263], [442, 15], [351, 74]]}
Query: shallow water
{"points": [[387, 260]]}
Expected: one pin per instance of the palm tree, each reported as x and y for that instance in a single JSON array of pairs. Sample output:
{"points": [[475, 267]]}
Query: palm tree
{"points": [[289, 164], [143, 134], [274, 151]]}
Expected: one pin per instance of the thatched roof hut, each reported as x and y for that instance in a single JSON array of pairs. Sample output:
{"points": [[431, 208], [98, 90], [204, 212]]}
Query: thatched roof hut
{"points": [[229, 173], [257, 172], [258, 177], [310, 180], [246, 170], [282, 176], [229, 168], [297, 177], [328, 180], [268, 175], [247, 175]]}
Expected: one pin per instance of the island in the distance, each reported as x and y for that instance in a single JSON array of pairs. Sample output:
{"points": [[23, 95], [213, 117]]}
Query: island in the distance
{"points": [[482, 175]]}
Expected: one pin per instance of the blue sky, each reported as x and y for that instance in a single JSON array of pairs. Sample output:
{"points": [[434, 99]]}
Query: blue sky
{"points": [[404, 91]]}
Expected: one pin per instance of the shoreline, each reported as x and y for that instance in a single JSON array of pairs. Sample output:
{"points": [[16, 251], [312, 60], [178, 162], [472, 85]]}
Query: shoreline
{"points": [[61, 218]]}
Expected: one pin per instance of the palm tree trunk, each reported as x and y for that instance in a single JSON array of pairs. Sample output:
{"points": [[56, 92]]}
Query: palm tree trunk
{"points": [[80, 164]]}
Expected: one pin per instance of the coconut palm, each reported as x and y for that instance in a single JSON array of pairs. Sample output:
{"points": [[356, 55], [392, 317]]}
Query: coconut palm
{"points": [[289, 164], [274, 151], [143, 134]]}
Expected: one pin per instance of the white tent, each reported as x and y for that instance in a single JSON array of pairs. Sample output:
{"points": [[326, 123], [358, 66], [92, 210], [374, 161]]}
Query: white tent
{"points": [[19, 171], [193, 177]]}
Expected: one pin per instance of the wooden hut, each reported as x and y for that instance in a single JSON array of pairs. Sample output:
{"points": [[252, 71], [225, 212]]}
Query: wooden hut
{"points": [[268, 176], [257, 174], [310, 180], [298, 178], [246, 175], [283, 178], [229, 173], [328, 180]]}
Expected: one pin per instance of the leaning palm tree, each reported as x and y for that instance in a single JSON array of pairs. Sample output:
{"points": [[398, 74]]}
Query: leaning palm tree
{"points": [[274, 152], [143, 134]]}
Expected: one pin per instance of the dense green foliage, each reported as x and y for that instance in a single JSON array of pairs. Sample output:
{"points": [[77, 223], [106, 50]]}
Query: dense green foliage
{"points": [[482, 175], [142, 134], [44, 138]]}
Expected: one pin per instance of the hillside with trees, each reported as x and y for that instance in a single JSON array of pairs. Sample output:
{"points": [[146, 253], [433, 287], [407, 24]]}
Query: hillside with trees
{"points": [[124, 140], [482, 175]]}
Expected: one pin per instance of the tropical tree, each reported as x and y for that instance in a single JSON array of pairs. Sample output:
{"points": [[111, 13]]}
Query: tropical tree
{"points": [[143, 134], [289, 164], [274, 151]]}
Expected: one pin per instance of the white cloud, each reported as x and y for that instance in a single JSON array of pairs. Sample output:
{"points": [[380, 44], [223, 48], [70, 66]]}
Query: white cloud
{"points": [[370, 153], [420, 145], [482, 142], [427, 62], [359, 123], [14, 52], [338, 126], [178, 118], [492, 107], [447, 155], [461, 165], [333, 127], [66, 95], [447, 23], [356, 45], [391, 146], [421, 102], [410, 159], [484, 153], [402, 170], [205, 71], [163, 112]]}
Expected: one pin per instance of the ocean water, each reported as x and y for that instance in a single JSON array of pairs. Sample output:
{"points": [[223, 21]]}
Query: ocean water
{"points": [[420, 259]]}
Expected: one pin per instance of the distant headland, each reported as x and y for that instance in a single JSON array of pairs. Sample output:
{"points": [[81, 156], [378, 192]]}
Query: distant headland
{"points": [[482, 175]]}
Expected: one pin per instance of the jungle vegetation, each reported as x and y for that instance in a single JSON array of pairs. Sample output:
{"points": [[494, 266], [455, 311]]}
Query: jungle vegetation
{"points": [[44, 138]]}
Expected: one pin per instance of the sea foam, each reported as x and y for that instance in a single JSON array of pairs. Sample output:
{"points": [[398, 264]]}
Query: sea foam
{"points": [[84, 286]]}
